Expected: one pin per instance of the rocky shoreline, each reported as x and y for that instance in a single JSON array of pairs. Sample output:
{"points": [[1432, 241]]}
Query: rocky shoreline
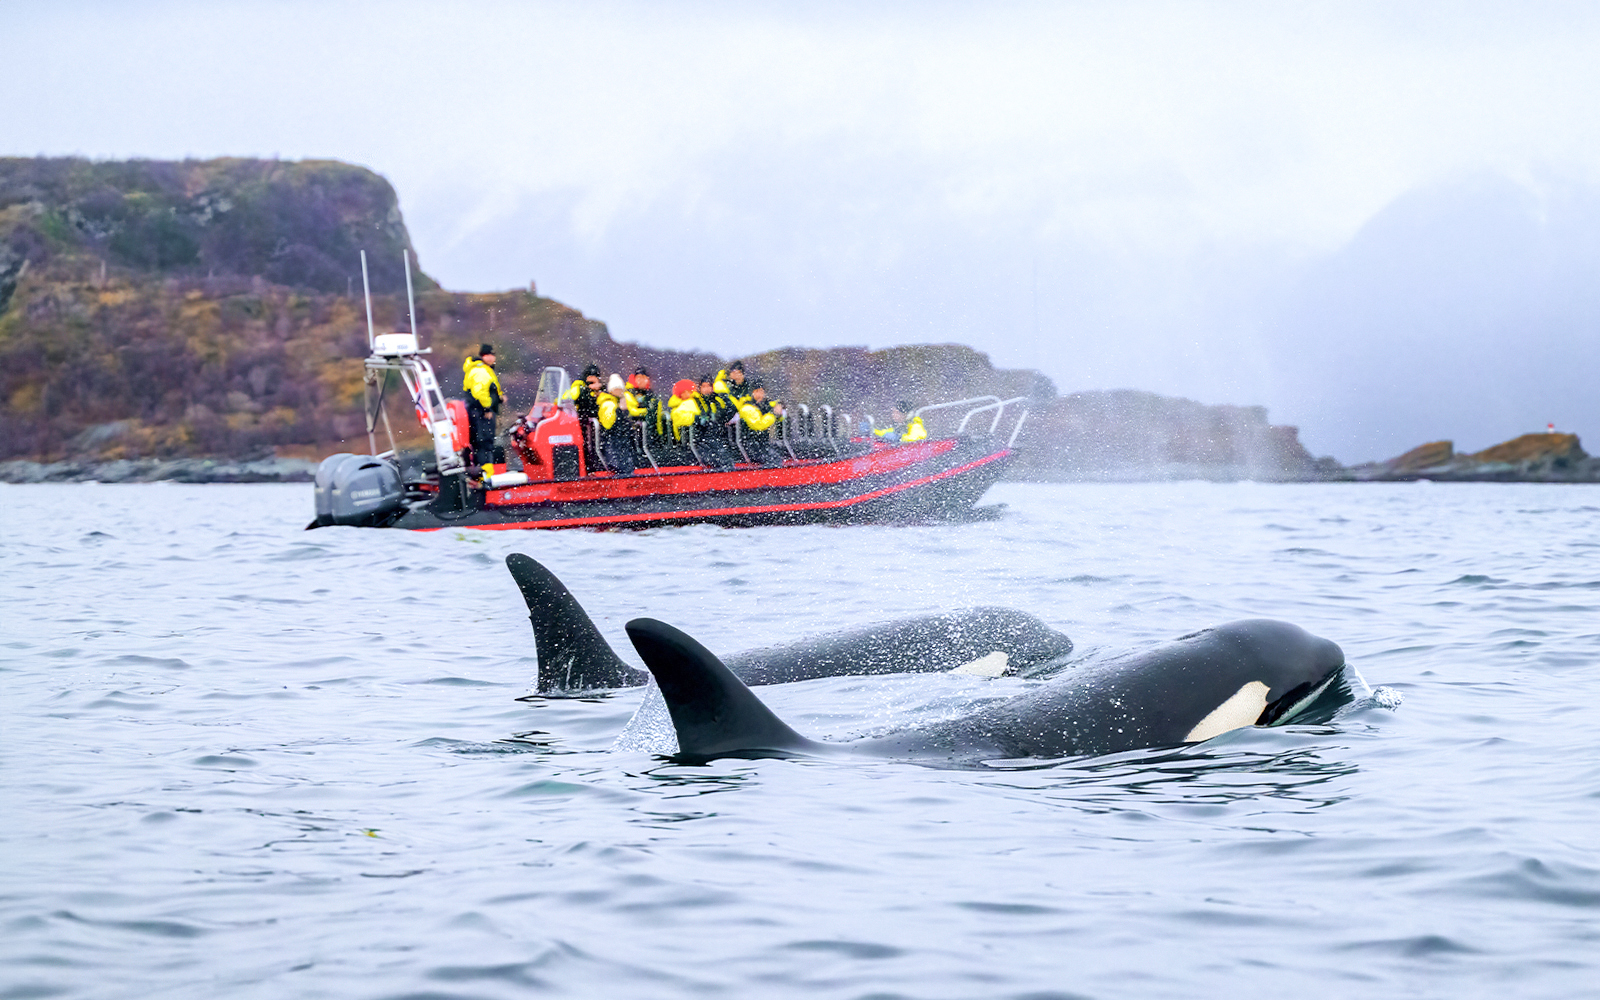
{"points": [[152, 470], [1532, 458]]}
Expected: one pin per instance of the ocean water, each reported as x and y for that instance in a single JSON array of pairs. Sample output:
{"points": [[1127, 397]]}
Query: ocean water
{"points": [[245, 760]]}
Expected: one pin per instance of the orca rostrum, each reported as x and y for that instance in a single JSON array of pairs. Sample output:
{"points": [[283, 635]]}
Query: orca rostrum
{"points": [[988, 641], [1245, 673]]}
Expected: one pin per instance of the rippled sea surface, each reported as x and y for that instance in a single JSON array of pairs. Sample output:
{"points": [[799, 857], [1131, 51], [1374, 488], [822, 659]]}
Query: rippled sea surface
{"points": [[246, 760]]}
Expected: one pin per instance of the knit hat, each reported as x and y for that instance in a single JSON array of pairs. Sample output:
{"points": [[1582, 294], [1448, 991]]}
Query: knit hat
{"points": [[615, 385]]}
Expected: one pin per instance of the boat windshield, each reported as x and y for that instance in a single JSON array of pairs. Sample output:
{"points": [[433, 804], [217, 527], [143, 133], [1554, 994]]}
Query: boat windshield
{"points": [[552, 383]]}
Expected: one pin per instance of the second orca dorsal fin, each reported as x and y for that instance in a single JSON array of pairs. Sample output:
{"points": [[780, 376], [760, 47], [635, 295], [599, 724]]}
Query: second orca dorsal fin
{"points": [[573, 655], [713, 711]]}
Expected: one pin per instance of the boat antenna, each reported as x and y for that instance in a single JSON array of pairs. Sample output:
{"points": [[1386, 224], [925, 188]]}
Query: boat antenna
{"points": [[411, 300], [366, 290]]}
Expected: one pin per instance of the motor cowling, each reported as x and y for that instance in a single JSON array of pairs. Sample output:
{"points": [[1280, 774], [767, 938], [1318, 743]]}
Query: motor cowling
{"points": [[357, 490], [324, 485]]}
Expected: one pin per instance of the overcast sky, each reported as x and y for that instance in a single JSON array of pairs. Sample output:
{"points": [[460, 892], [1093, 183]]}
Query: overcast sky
{"points": [[1380, 220]]}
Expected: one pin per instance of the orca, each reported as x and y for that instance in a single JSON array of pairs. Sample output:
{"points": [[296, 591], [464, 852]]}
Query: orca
{"points": [[987, 641], [1245, 673]]}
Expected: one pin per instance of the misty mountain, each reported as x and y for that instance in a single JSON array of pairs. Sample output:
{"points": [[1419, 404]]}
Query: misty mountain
{"points": [[1469, 309]]}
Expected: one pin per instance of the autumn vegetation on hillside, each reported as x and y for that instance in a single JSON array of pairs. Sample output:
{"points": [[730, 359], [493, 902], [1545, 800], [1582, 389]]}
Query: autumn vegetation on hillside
{"points": [[213, 309]]}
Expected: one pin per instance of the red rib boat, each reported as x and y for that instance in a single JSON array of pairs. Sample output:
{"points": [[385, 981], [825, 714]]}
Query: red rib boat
{"points": [[914, 482], [815, 469]]}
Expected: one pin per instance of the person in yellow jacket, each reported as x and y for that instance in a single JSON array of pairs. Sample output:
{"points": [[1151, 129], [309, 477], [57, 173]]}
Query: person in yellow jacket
{"points": [[654, 417], [616, 428], [667, 427], [905, 429], [637, 395], [704, 413], [482, 386], [584, 392], [759, 416], [686, 406], [682, 390], [584, 395], [730, 382]]}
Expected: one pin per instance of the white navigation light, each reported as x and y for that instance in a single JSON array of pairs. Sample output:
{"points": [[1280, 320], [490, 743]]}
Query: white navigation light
{"points": [[394, 344]]}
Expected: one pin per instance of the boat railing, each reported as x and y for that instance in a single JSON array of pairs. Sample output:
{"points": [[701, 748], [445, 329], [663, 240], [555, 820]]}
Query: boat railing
{"points": [[688, 438], [736, 433], [808, 432], [831, 431], [974, 401], [792, 418], [641, 434], [999, 408], [591, 431], [976, 405]]}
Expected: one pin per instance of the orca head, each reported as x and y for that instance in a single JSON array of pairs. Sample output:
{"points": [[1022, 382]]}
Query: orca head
{"points": [[1280, 670], [573, 655]]}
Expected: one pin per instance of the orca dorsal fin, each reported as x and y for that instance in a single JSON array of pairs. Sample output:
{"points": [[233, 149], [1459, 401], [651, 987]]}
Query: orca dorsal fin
{"points": [[573, 655], [713, 711]]}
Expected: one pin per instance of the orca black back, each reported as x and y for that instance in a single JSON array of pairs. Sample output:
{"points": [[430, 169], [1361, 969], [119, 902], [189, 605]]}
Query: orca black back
{"points": [[989, 641], [1244, 673]]}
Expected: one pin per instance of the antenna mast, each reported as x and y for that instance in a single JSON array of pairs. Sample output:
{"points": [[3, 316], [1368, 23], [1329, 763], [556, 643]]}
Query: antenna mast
{"points": [[411, 300], [366, 290]]}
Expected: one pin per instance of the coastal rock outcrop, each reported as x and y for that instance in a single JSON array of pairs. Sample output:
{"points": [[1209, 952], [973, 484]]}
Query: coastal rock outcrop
{"points": [[1546, 457]]}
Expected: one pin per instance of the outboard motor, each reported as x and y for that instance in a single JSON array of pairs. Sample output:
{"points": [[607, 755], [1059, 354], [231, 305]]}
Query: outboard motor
{"points": [[357, 490], [324, 486]]}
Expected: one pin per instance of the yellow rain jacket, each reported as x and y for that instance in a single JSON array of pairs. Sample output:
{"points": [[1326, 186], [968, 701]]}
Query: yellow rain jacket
{"points": [[727, 387], [915, 430], [757, 416], [477, 379], [685, 411], [713, 409], [585, 402], [608, 409]]}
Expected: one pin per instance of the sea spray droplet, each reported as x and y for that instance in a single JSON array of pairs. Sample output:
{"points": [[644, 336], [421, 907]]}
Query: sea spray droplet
{"points": [[1387, 697], [650, 730]]}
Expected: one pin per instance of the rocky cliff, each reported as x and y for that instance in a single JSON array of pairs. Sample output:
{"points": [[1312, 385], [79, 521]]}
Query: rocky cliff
{"points": [[296, 224], [196, 315]]}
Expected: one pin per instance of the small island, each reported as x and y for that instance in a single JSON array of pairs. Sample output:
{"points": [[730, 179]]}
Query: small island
{"points": [[1531, 458]]}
